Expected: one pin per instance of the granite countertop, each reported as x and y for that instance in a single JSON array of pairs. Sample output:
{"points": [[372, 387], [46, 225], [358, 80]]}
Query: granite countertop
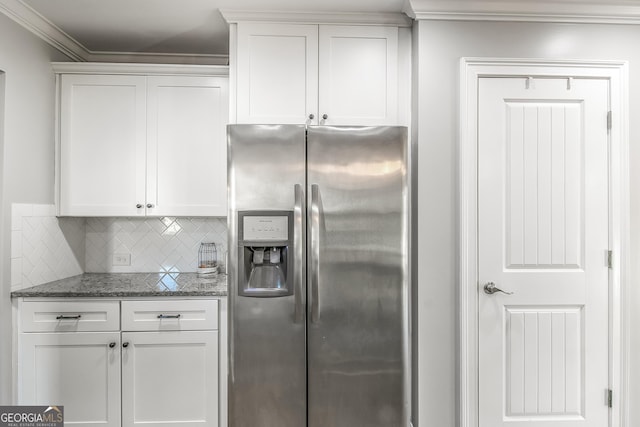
{"points": [[129, 285]]}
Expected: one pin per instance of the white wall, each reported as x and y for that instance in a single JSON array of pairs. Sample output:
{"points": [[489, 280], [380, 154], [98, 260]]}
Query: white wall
{"points": [[440, 47], [27, 153]]}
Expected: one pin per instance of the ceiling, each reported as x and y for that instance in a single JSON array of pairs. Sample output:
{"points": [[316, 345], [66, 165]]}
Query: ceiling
{"points": [[191, 27]]}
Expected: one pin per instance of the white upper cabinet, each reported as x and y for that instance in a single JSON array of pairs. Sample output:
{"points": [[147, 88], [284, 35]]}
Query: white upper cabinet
{"points": [[102, 145], [277, 73], [186, 146], [317, 74], [358, 75], [135, 145]]}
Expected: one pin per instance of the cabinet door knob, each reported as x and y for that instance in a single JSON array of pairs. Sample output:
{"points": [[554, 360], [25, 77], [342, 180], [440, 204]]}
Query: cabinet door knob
{"points": [[325, 117], [139, 206], [112, 344], [149, 205], [125, 344], [311, 116]]}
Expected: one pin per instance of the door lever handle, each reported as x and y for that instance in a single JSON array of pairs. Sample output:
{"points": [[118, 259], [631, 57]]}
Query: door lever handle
{"points": [[491, 288]]}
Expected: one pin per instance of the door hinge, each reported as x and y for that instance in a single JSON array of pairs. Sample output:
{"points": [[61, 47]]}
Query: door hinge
{"points": [[610, 398], [609, 119], [610, 259]]}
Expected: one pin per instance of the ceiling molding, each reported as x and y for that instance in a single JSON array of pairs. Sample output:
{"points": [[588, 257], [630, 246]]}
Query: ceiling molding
{"points": [[568, 11], [43, 28], [54, 36], [142, 69], [351, 18], [162, 58]]}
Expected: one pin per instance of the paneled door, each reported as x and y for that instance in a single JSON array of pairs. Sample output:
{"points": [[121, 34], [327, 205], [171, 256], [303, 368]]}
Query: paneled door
{"points": [[358, 75], [78, 370], [277, 73], [170, 379], [186, 145], [542, 252]]}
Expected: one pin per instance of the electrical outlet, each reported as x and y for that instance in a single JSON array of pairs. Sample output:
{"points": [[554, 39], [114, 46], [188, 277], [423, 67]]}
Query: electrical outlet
{"points": [[121, 259]]}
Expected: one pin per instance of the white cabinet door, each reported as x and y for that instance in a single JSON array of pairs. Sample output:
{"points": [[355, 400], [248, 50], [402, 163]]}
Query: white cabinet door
{"points": [[102, 145], [186, 146], [358, 75], [277, 79], [170, 379], [80, 371], [327, 74]]}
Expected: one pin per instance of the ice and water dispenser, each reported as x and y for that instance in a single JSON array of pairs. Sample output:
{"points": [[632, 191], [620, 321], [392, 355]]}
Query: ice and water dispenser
{"points": [[265, 250]]}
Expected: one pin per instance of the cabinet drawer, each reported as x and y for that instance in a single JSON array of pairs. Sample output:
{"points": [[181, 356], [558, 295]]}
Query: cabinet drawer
{"points": [[165, 315], [70, 316]]}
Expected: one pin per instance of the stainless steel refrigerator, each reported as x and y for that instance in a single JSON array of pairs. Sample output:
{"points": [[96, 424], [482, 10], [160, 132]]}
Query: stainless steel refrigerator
{"points": [[318, 276]]}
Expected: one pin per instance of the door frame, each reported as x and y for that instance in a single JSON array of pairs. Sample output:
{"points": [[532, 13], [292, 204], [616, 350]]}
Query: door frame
{"points": [[616, 73]]}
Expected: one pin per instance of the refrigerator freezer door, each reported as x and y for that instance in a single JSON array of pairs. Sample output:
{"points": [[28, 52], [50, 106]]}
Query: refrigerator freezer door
{"points": [[358, 280], [267, 369]]}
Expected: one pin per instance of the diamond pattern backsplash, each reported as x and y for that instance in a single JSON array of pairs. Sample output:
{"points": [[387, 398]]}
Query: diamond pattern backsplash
{"points": [[165, 244], [45, 248]]}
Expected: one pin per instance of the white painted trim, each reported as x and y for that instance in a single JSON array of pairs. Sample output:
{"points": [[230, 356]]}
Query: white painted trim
{"points": [[471, 69], [233, 73], [512, 17], [223, 361], [57, 140], [161, 58], [142, 69], [43, 28], [347, 18], [16, 329], [54, 36], [609, 12]]}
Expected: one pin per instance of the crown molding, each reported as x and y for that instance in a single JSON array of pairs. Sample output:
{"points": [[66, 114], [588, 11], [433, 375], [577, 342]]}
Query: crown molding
{"points": [[54, 36], [43, 28], [160, 58], [351, 18], [568, 11], [141, 69]]}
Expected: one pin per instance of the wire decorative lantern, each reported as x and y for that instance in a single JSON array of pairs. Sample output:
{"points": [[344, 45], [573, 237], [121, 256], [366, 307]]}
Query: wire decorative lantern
{"points": [[207, 260]]}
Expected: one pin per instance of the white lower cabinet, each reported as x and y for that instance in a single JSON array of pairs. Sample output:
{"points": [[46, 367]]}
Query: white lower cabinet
{"points": [[170, 378], [79, 370], [162, 367]]}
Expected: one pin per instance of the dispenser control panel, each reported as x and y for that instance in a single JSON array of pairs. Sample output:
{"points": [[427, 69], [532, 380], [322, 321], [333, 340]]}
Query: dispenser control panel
{"points": [[265, 228]]}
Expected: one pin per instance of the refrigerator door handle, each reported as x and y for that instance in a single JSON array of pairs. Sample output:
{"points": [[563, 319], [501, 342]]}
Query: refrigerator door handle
{"points": [[315, 252], [298, 264]]}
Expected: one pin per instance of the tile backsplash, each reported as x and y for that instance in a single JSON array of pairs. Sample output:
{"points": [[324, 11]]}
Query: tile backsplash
{"points": [[155, 244], [46, 248]]}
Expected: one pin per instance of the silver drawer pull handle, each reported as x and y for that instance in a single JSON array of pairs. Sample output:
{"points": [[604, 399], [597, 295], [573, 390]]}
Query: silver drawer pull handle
{"points": [[62, 317], [168, 316]]}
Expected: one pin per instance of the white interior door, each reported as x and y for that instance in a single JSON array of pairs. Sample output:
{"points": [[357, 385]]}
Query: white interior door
{"points": [[543, 235]]}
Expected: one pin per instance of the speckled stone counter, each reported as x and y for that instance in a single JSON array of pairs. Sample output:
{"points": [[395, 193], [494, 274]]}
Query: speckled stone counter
{"points": [[129, 285]]}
